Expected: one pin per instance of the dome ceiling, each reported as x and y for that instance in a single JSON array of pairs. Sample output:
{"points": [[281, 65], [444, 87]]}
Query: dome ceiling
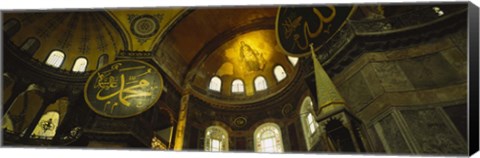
{"points": [[90, 33], [77, 34], [186, 54], [200, 32]]}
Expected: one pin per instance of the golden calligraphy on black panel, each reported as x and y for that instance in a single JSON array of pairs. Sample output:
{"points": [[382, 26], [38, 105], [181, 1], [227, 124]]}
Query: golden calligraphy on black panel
{"points": [[124, 88], [296, 27]]}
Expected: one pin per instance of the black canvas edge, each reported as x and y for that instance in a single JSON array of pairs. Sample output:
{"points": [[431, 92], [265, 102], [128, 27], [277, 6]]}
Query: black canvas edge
{"points": [[1, 78], [473, 87]]}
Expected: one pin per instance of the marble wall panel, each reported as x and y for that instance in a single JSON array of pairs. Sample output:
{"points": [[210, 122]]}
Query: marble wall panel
{"points": [[429, 71], [372, 80], [356, 92], [460, 40], [391, 76], [391, 136], [457, 60], [374, 140], [431, 132]]}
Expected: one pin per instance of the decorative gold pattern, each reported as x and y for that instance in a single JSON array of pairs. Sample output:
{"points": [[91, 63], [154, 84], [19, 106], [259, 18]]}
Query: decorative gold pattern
{"points": [[182, 121], [124, 88], [144, 26], [297, 27], [157, 144]]}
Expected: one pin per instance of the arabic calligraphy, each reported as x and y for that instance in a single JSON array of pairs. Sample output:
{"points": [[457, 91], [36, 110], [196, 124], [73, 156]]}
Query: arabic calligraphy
{"points": [[297, 27], [123, 89]]}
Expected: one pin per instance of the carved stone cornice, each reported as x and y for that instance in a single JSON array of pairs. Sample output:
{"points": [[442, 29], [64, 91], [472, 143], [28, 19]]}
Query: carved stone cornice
{"points": [[135, 55], [411, 28], [418, 18]]}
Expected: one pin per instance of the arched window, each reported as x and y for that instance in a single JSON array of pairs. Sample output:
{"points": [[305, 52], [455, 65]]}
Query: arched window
{"points": [[308, 122], [7, 124], [237, 86], [293, 60], [55, 58], [30, 46], [260, 83], [24, 108], [312, 125], [11, 27], [51, 119], [46, 126], [279, 73], [215, 84], [216, 139], [268, 138], [80, 65], [102, 60]]}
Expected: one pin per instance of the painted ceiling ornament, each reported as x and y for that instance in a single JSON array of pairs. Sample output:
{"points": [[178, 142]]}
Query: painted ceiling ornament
{"points": [[296, 27], [123, 88], [287, 110], [144, 26], [240, 121]]}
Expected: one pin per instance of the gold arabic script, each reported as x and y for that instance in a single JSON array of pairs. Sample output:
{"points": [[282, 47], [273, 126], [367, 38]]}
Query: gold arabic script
{"points": [[106, 82], [290, 26]]}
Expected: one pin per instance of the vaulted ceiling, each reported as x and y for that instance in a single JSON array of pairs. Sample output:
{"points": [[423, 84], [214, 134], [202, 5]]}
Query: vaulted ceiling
{"points": [[189, 45]]}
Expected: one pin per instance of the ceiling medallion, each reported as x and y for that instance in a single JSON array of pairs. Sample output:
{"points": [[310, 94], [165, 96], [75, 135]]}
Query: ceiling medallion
{"points": [[123, 88], [144, 26], [287, 110], [240, 121]]}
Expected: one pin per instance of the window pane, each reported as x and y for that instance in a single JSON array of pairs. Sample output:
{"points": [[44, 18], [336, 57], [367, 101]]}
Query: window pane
{"points": [[311, 123], [102, 60], [216, 139], [312, 128], [279, 73], [260, 83], [80, 65], [237, 86], [268, 138], [27, 45], [310, 118], [47, 126], [268, 134], [215, 84], [215, 145], [11, 27], [293, 60], [268, 145], [55, 58]]}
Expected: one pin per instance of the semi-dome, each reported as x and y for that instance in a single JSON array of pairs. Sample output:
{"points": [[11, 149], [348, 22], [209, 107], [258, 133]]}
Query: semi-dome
{"points": [[250, 63]]}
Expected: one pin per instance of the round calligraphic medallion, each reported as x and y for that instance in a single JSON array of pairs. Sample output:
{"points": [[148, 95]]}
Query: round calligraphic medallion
{"points": [[123, 88], [296, 27], [144, 26]]}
